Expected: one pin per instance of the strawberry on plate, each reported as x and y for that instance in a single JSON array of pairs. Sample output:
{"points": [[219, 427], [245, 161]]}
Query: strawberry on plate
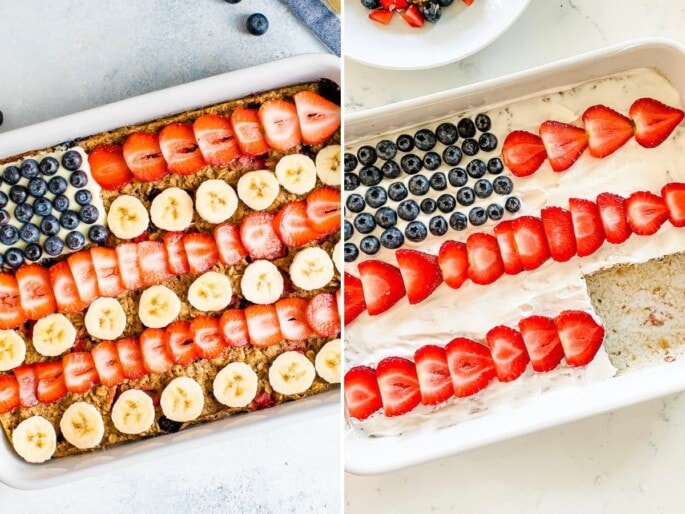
{"points": [[653, 121], [322, 315], [183, 348], [324, 209], [319, 118], [127, 257], [154, 347], [354, 298], [108, 167], [107, 271], [153, 262], [393, 5], [11, 315], [280, 124], [435, 382], [107, 363], [201, 251], [176, 253], [247, 131], [471, 366], [607, 130], [612, 211], [80, 375], [292, 318], [9, 393], [382, 285], [85, 278], [362, 396], [180, 149], [207, 336], [216, 139], [508, 352], [35, 291], [646, 212], [580, 335], [454, 263], [292, 225], [587, 226], [531, 242], [28, 384], [65, 290], [523, 153], [131, 358], [564, 143], [259, 237], [504, 231], [228, 243], [50, 382], [234, 327], [558, 225], [542, 342], [420, 273], [674, 197], [485, 260], [381, 16], [262, 325], [143, 157], [398, 384], [413, 16]]}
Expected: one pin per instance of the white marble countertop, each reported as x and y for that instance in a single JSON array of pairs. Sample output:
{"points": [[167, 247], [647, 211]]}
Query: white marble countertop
{"points": [[62, 57], [625, 461]]}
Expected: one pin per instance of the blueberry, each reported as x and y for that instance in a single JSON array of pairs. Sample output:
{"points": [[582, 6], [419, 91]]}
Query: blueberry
{"points": [[405, 143], [495, 166], [78, 179], [371, 4], [89, 214], [18, 194], [60, 203], [4, 217], [23, 212], [83, 197], [483, 122], [369, 245], [411, 164], [428, 205], [33, 252], [476, 168], [364, 223], [487, 142], [49, 225], [351, 252], [391, 169], [512, 204], [348, 230], [445, 3], [447, 133], [370, 176], [397, 191], [169, 426], [477, 216], [386, 149], [469, 147], [466, 128], [431, 161], [446, 203], [257, 24], [355, 203], [57, 185], [14, 257], [408, 210], [376, 197], [438, 181], [29, 233], [351, 181], [3, 200], [49, 166], [30, 168], [9, 235], [69, 220], [37, 187], [71, 160], [458, 221], [503, 185], [11, 175], [366, 155], [419, 185], [54, 246], [452, 155], [482, 188], [386, 217], [232, 1], [392, 238], [466, 196], [98, 234], [431, 11], [75, 240], [416, 231], [495, 211], [437, 226], [425, 140], [350, 162], [457, 177]]}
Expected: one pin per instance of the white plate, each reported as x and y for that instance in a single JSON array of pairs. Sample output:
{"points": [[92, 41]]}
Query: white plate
{"points": [[305, 68], [462, 31]]}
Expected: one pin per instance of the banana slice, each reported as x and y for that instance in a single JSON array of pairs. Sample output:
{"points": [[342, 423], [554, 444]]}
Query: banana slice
{"points": [[172, 210], [311, 269], [296, 173], [236, 385], [182, 400], [262, 283], [82, 425], [215, 201], [105, 319], [53, 335], [12, 350], [338, 256], [327, 362], [210, 292], [258, 189], [291, 373], [328, 165], [127, 217], [133, 412], [158, 306], [35, 440]]}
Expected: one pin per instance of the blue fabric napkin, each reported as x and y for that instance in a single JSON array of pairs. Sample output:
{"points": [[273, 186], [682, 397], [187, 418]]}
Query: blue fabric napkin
{"points": [[321, 20]]}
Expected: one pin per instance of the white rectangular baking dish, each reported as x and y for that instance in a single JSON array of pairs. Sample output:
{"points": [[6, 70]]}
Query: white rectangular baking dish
{"points": [[13, 470], [364, 455]]}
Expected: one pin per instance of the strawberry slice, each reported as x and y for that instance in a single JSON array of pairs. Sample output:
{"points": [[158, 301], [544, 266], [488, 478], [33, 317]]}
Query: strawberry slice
{"points": [[180, 149], [80, 375], [319, 118], [131, 358], [259, 237], [184, 351], [207, 337], [523, 153], [322, 315], [9, 393], [262, 325], [580, 335], [653, 121], [292, 319], [485, 260], [50, 382], [646, 212], [420, 273], [381, 16], [433, 373], [280, 124], [107, 364], [607, 130], [382, 285], [107, 271], [393, 5], [612, 211], [11, 315], [542, 342], [398, 384], [35, 292], [108, 167], [64, 288], [674, 197], [247, 131], [508, 352], [531, 242], [292, 225], [234, 327], [28, 384], [154, 347], [324, 209], [83, 271], [454, 263], [228, 244], [201, 251], [216, 139], [143, 157], [176, 253], [362, 395], [504, 231], [587, 226], [153, 262], [470, 364], [127, 257], [564, 143], [354, 298], [413, 16], [558, 226]]}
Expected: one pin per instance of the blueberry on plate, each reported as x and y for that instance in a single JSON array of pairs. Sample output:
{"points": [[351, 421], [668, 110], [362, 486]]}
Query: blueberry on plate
{"points": [[366, 155], [37, 187], [386, 149], [33, 252], [477, 216], [438, 181], [411, 164], [14, 257], [351, 182], [397, 191], [49, 225], [425, 140], [54, 246], [447, 133], [431, 161], [483, 122], [369, 245], [408, 210], [57, 185], [257, 24], [11, 175], [370, 176], [476, 168], [355, 203], [350, 162], [466, 128], [89, 214], [376, 197], [9, 235], [466, 196], [4, 217], [457, 177], [350, 252], [71, 160], [3, 200], [446, 203], [75, 240], [495, 211], [371, 4], [60, 203], [79, 179], [386, 217], [431, 11], [495, 166], [42, 206], [69, 220], [416, 231], [419, 185], [458, 221], [30, 168], [391, 169], [428, 205], [437, 226], [482, 188], [29, 233], [23, 212], [512, 204], [487, 142], [405, 143], [445, 3], [18, 194], [392, 238], [83, 197], [364, 223], [49, 166], [452, 155], [98, 234], [469, 147], [503, 185]]}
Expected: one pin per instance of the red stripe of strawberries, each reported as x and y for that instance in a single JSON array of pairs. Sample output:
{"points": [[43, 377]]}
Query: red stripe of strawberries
{"points": [[603, 131], [185, 149], [464, 367], [524, 243], [157, 350]]}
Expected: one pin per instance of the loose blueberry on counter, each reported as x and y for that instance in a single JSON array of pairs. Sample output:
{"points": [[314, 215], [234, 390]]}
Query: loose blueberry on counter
{"points": [[419, 185], [476, 168], [75, 240], [431, 161], [408, 210], [351, 181], [350, 162], [54, 246], [376, 197], [60, 203], [397, 191], [30, 168], [42, 206], [477, 216], [483, 122], [447, 133], [495, 166], [386, 149], [49, 166], [14, 257], [366, 155], [3, 200], [89, 214], [49, 225], [438, 181], [487, 142], [9, 235], [355, 203], [469, 147], [11, 175], [23, 212], [71, 160], [457, 177], [446, 203], [69, 220], [83, 197], [371, 4], [392, 238], [452, 155], [458, 221], [495, 211], [232, 1], [79, 179], [350, 252], [386, 217], [369, 245], [391, 169], [482, 188], [257, 24], [466, 196], [425, 140], [37, 187], [97, 234], [503, 185], [364, 223], [416, 231], [57, 185], [29, 233], [466, 128], [18, 194], [4, 217], [428, 205], [437, 226], [411, 164], [405, 143], [370, 176], [33, 252], [512, 204], [445, 3]]}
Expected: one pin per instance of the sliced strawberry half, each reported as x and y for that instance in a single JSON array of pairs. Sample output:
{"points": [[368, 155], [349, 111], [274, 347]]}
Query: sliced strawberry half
{"points": [[107, 271], [80, 375], [542, 342], [64, 289], [28, 385], [131, 358], [413, 16], [183, 349], [381, 16], [485, 260], [587, 226], [504, 231], [259, 237], [508, 352], [354, 298], [35, 292], [154, 347], [234, 327], [216, 139], [674, 197], [176, 253], [108, 167], [531, 242], [454, 263], [153, 262], [11, 315], [564, 143], [292, 225], [292, 318], [471, 366], [523, 153], [322, 315], [580, 335], [398, 384], [420, 273], [362, 396], [435, 382], [207, 336], [319, 118], [85, 278], [558, 226], [107, 363], [127, 257], [144, 158], [180, 149], [9, 393], [201, 251], [324, 209], [393, 5], [262, 325], [646, 212], [247, 131], [653, 121], [382, 285], [50, 382], [280, 124], [607, 130], [612, 211], [228, 244]]}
